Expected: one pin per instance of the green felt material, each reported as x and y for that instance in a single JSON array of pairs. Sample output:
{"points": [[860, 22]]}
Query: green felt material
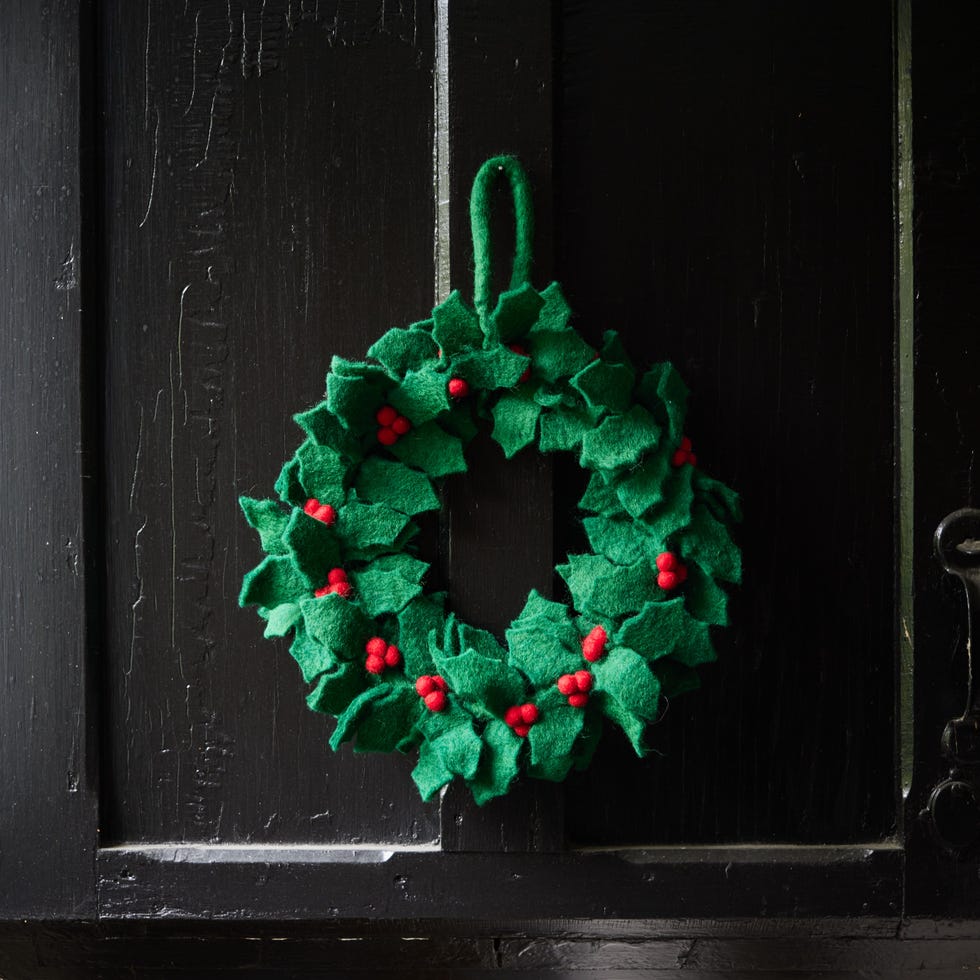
{"points": [[460, 422], [634, 727], [600, 587], [516, 312], [620, 440], [666, 628], [355, 712], [482, 641], [555, 312], [323, 427], [624, 675], [401, 351], [432, 450], [497, 367], [314, 658], [548, 397], [707, 541], [313, 547], [613, 351], [282, 619], [722, 501], [675, 678], [382, 481], [287, 485], [562, 429], [616, 538], [588, 739], [363, 526], [557, 354], [542, 656], [673, 512], [515, 418], [388, 583], [336, 686], [456, 327], [643, 488], [420, 617], [430, 773], [422, 396], [452, 735], [337, 624], [498, 762], [706, 600], [270, 520], [552, 737], [600, 497], [547, 616], [322, 473], [605, 387], [354, 401], [488, 687], [662, 390], [275, 580], [388, 724]]}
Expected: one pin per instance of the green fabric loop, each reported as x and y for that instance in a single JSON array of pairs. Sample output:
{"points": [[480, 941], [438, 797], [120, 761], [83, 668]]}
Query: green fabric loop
{"points": [[480, 228]]}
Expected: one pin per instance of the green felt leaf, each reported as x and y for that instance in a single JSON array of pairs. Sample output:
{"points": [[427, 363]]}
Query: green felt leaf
{"points": [[633, 727], [723, 502], [615, 537], [555, 313], [600, 497], [452, 736], [613, 351], [421, 396], [312, 656], [401, 351], [516, 312], [515, 418], [349, 720], [421, 616], [388, 583], [336, 686], [626, 676], [487, 687], [706, 600], [287, 485], [320, 424], [620, 440], [643, 487], [551, 738], [282, 619], [665, 394], [430, 773], [544, 615], [383, 481], [541, 655], [548, 396], [432, 450], [456, 326], [365, 525], [675, 678], [707, 541], [498, 762], [497, 367], [337, 624], [673, 512], [588, 740], [563, 428], [666, 628], [270, 520], [460, 423], [354, 401], [482, 641], [275, 580], [313, 546], [605, 387], [388, 725], [557, 353], [321, 473], [601, 588]]}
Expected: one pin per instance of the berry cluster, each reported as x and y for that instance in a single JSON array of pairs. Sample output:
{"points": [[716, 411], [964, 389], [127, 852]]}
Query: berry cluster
{"points": [[672, 571], [381, 654], [432, 690], [683, 454], [576, 687], [594, 644], [336, 583], [321, 512], [520, 718], [392, 426]]}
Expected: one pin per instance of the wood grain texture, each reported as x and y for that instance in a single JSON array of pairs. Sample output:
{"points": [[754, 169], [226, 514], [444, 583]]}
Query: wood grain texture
{"points": [[728, 206], [269, 204], [47, 793]]}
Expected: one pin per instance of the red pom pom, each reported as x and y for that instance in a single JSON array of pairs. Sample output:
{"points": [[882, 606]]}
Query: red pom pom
{"points": [[517, 349], [387, 437], [424, 685], [668, 580], [336, 575], [594, 645], [667, 562], [374, 664], [386, 415], [458, 388], [342, 589], [682, 573], [679, 458], [512, 716], [583, 680], [521, 730], [393, 656], [323, 590], [401, 425], [578, 700], [686, 444], [529, 713], [567, 684], [692, 459], [436, 700], [376, 646], [327, 514], [311, 506], [440, 682]]}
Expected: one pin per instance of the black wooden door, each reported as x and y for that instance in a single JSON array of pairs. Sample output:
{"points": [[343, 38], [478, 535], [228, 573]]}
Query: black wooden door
{"points": [[207, 200]]}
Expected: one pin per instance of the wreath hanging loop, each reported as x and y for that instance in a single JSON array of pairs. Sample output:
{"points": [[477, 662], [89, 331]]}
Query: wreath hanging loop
{"points": [[396, 667]]}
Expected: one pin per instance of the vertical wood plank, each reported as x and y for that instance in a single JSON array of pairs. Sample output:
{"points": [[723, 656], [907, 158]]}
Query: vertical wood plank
{"points": [[47, 793], [500, 513]]}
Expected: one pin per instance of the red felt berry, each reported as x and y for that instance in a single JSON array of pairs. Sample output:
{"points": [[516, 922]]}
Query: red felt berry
{"points": [[435, 700], [679, 458], [392, 656], [323, 590], [387, 437], [521, 730], [458, 388], [529, 713], [440, 682], [311, 506], [578, 700], [386, 415], [401, 425], [327, 514], [594, 645], [686, 444], [342, 589], [667, 562], [336, 575], [668, 580], [512, 716], [376, 646], [424, 685], [583, 680], [374, 664], [567, 684], [692, 459], [517, 349]]}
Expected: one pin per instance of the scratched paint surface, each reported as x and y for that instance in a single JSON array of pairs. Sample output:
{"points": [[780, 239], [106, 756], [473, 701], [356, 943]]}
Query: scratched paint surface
{"points": [[256, 223]]}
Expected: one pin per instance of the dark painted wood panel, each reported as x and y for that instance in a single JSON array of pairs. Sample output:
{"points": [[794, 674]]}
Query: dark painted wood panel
{"points": [[49, 782], [725, 201], [268, 204]]}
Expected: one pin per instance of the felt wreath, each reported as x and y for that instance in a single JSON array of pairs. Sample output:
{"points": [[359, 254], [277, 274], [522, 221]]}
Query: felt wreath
{"points": [[396, 667]]}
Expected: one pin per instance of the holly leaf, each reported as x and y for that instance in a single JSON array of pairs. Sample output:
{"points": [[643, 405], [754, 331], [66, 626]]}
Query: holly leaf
{"points": [[275, 580], [515, 418], [402, 350], [312, 545], [516, 312], [365, 526], [707, 541], [431, 449], [625, 676], [269, 519], [620, 440], [601, 588], [321, 473], [498, 762], [336, 686], [388, 583], [456, 327], [337, 624], [488, 687], [553, 735], [383, 481]]}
